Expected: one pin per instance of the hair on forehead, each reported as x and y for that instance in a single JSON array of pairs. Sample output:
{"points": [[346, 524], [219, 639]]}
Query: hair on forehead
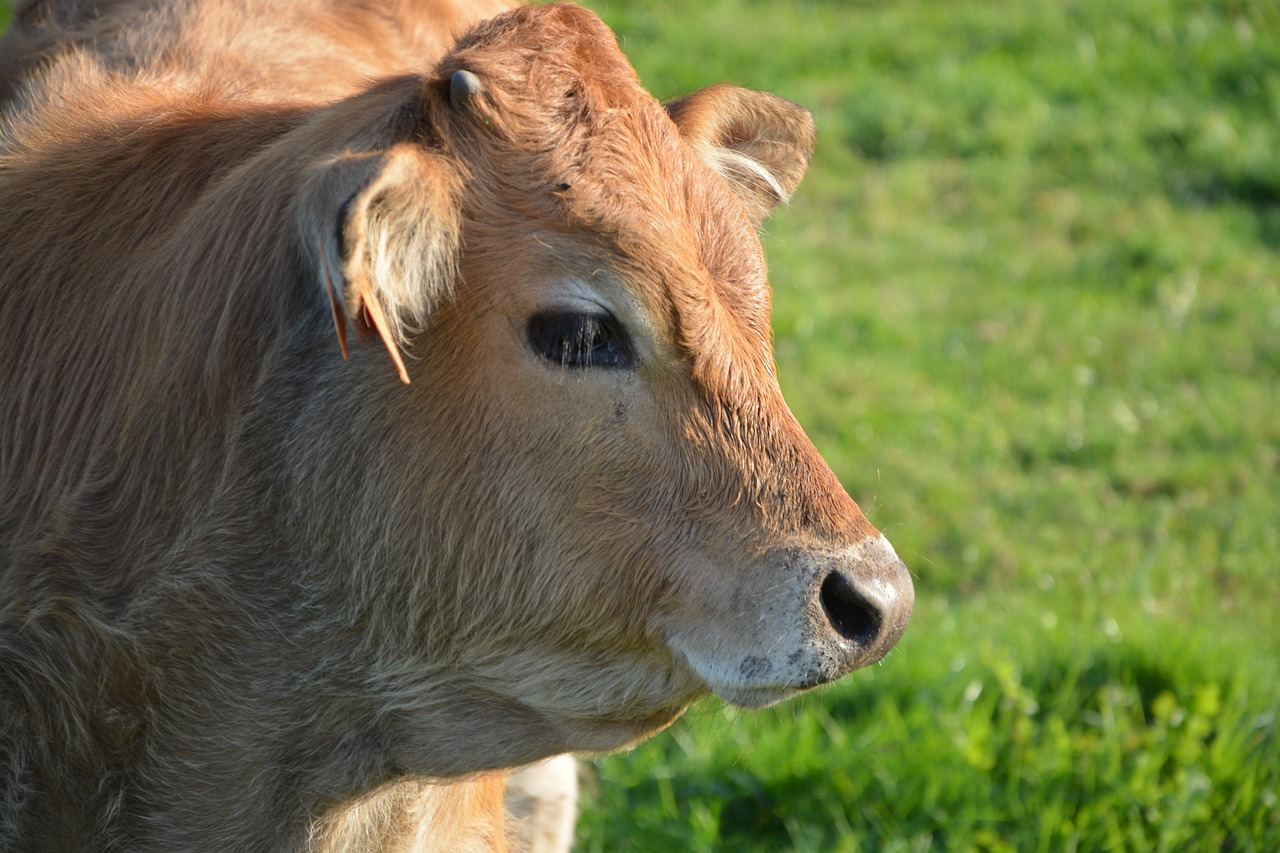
{"points": [[547, 54]]}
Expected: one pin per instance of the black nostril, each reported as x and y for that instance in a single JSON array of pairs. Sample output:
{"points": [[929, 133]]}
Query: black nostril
{"points": [[850, 614]]}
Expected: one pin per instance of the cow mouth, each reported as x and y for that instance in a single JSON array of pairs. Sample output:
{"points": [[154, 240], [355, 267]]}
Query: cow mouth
{"points": [[750, 685]]}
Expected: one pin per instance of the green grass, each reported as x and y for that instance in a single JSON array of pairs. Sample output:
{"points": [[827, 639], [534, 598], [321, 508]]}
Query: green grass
{"points": [[1028, 306]]}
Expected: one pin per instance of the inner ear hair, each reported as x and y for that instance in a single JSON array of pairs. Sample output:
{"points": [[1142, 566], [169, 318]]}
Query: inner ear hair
{"points": [[385, 225]]}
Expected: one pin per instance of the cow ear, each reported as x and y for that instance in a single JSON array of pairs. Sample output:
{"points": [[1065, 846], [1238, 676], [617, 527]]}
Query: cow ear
{"points": [[384, 227], [758, 142]]}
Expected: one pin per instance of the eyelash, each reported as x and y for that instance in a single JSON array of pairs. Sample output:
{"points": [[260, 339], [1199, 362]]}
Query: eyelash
{"points": [[580, 340]]}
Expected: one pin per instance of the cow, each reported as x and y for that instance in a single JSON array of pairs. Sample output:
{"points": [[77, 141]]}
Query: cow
{"points": [[261, 589]]}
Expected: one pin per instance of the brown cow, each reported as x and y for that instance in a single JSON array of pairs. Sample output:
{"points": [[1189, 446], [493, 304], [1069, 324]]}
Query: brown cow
{"points": [[255, 597]]}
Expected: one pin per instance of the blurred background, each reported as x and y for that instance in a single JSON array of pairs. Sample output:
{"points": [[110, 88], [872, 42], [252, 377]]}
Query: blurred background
{"points": [[1027, 304]]}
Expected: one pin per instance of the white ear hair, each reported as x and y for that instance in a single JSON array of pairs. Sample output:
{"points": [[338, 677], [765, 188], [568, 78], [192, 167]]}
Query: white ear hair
{"points": [[743, 172], [757, 142]]}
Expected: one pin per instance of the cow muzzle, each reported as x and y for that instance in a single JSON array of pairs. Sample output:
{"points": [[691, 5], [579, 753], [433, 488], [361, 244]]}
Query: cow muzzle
{"points": [[800, 618]]}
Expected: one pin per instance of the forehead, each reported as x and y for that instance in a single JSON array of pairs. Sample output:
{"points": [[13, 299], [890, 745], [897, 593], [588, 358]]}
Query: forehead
{"points": [[669, 225], [572, 146]]}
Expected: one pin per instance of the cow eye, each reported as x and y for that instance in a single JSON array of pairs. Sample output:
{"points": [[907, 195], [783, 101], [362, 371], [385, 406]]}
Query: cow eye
{"points": [[580, 340]]}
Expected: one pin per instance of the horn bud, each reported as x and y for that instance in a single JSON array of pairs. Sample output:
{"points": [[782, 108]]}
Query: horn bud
{"points": [[463, 86]]}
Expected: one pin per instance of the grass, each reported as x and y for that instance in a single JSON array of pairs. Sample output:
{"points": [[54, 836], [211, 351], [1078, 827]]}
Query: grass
{"points": [[1028, 306]]}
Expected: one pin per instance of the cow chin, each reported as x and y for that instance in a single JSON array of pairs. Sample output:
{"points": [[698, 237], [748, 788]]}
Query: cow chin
{"points": [[486, 728], [754, 698]]}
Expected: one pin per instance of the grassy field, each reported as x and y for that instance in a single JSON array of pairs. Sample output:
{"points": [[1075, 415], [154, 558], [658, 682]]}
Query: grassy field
{"points": [[1028, 306]]}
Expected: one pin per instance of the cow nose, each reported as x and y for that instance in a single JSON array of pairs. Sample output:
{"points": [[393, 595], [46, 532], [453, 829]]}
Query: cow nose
{"points": [[866, 608]]}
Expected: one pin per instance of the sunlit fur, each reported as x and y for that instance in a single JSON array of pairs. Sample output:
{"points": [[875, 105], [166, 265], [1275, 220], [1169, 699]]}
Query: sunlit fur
{"points": [[262, 50], [259, 598]]}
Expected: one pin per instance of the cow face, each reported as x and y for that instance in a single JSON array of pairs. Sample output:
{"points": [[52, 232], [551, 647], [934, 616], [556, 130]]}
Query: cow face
{"points": [[608, 508]]}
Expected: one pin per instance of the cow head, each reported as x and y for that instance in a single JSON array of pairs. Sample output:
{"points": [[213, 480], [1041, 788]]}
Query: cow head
{"points": [[591, 505]]}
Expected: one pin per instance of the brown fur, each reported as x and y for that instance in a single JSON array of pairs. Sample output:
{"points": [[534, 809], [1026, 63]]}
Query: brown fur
{"points": [[258, 598]]}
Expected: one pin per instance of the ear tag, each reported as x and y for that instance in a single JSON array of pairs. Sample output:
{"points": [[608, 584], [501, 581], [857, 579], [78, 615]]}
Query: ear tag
{"points": [[375, 318], [369, 316], [339, 314]]}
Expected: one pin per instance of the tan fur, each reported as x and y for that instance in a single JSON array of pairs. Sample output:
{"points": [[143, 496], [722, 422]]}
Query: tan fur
{"points": [[262, 49], [410, 816], [255, 597], [542, 805]]}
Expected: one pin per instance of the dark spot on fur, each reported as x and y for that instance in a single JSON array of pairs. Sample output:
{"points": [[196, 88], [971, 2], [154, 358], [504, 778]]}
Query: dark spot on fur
{"points": [[753, 667]]}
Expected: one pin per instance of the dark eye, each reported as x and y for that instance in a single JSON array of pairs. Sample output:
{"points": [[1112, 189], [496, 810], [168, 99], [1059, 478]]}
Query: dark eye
{"points": [[580, 340]]}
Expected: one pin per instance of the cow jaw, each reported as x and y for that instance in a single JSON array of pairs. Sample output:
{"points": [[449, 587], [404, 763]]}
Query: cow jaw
{"points": [[746, 603]]}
